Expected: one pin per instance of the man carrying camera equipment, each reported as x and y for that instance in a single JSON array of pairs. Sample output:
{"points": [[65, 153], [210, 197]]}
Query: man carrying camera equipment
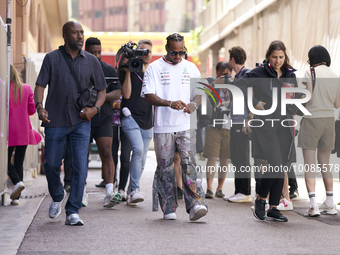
{"points": [[62, 119], [217, 137], [101, 124], [167, 87], [136, 115], [239, 140]]}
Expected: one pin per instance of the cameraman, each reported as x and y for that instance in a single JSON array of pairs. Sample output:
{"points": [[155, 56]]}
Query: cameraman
{"points": [[217, 138], [136, 120]]}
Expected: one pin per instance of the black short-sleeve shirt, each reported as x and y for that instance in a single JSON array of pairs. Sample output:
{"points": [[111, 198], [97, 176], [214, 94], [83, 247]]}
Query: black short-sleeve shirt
{"points": [[62, 89], [106, 112], [140, 110]]}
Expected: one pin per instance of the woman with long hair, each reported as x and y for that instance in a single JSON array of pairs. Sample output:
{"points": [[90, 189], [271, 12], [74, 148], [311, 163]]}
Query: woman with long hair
{"points": [[317, 131], [271, 141], [20, 132]]}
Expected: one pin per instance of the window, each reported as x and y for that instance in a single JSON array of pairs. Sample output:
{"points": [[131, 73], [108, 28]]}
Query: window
{"points": [[98, 14]]}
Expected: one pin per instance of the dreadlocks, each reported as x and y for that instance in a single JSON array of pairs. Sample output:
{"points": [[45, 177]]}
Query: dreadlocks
{"points": [[175, 38]]}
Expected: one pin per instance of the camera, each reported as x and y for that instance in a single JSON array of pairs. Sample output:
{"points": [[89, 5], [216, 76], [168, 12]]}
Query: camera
{"points": [[133, 53]]}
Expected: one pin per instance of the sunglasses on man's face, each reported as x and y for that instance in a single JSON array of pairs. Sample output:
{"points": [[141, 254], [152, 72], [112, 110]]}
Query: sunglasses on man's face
{"points": [[174, 53]]}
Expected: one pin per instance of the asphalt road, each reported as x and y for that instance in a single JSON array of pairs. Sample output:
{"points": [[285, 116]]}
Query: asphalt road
{"points": [[228, 228]]}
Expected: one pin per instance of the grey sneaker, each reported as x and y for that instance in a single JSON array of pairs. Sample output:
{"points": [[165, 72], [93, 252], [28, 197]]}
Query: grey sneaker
{"points": [[55, 208], [74, 220]]}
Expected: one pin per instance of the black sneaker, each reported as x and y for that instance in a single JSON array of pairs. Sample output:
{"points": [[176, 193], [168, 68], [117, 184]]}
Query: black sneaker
{"points": [[101, 184], [275, 214], [293, 194], [179, 193], [259, 210], [209, 194]]}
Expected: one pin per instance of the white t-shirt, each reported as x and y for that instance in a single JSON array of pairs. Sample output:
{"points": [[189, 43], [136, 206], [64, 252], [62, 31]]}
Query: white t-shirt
{"points": [[326, 88], [171, 82]]}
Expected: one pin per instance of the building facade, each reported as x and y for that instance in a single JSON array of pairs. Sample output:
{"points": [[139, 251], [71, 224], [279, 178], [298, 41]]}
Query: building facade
{"points": [[139, 15]]}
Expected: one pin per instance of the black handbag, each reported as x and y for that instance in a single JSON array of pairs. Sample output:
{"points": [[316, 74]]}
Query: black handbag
{"points": [[337, 138], [299, 112], [88, 96]]}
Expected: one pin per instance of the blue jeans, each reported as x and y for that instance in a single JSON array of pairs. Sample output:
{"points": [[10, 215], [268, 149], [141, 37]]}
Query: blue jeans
{"points": [[78, 137], [140, 141]]}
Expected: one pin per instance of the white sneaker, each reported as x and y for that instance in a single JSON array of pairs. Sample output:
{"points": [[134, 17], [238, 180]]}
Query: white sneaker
{"points": [[122, 193], [136, 197], [15, 202], [285, 205], [17, 190], [240, 198], [197, 212], [169, 216], [111, 199], [226, 198], [328, 209], [312, 212]]}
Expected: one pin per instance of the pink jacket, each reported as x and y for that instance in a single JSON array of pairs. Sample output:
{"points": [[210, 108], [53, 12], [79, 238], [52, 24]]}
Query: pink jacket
{"points": [[20, 130]]}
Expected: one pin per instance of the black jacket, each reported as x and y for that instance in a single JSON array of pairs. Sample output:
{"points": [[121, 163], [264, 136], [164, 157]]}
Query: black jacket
{"points": [[263, 79]]}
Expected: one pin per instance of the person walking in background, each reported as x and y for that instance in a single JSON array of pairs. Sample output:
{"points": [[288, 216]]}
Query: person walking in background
{"points": [[167, 87], [62, 119], [101, 123], [239, 141], [120, 138], [136, 121], [317, 131], [20, 132], [217, 137]]}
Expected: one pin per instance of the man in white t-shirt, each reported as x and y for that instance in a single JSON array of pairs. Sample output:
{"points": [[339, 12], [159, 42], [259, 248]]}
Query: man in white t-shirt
{"points": [[167, 86]]}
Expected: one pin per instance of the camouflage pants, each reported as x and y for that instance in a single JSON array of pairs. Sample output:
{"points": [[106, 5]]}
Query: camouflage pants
{"points": [[164, 185]]}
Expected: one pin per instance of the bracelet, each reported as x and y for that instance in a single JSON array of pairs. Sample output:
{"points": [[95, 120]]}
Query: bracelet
{"points": [[40, 109], [170, 104], [37, 104], [114, 105]]}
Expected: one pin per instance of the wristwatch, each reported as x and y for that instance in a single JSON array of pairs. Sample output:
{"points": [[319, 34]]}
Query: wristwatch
{"points": [[98, 108], [194, 103]]}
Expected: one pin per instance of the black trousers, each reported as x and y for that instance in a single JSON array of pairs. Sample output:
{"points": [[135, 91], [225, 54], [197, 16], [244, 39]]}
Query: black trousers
{"points": [[16, 171], [239, 155], [125, 151], [272, 181]]}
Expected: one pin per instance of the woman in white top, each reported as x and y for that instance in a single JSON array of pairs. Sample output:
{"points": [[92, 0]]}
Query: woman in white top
{"points": [[317, 130]]}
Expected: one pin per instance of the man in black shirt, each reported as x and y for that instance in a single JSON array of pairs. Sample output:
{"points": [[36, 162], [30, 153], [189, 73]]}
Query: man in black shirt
{"points": [[101, 124], [63, 121], [136, 122]]}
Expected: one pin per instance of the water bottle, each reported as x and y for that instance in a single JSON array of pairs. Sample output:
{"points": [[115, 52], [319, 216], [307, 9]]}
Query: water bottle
{"points": [[126, 112]]}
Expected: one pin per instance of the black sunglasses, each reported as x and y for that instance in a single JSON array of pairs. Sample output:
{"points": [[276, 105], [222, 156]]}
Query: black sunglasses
{"points": [[174, 53]]}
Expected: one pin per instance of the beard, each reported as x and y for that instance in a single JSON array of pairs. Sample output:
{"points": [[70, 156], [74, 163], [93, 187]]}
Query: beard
{"points": [[73, 44]]}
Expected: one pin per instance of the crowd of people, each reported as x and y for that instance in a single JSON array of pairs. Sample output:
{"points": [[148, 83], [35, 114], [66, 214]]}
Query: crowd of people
{"points": [[159, 101]]}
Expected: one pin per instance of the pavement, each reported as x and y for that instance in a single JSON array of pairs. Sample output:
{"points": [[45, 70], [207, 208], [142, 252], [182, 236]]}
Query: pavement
{"points": [[228, 228]]}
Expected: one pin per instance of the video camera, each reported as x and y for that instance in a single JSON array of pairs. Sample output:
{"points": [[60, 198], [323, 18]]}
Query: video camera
{"points": [[133, 53]]}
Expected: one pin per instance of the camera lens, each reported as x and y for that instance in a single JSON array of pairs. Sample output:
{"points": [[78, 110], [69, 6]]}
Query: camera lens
{"points": [[135, 63]]}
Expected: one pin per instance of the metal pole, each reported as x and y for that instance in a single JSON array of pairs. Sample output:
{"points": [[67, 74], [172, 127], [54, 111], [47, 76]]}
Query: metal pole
{"points": [[9, 36]]}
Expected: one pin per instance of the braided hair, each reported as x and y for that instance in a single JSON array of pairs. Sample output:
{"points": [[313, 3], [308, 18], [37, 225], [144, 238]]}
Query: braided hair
{"points": [[175, 38]]}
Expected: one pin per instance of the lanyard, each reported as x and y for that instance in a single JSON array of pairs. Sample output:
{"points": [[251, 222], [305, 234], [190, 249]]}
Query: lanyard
{"points": [[138, 76]]}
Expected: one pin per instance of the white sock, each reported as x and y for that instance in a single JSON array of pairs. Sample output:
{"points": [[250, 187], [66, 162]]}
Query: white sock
{"points": [[312, 199], [329, 198], [109, 187]]}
